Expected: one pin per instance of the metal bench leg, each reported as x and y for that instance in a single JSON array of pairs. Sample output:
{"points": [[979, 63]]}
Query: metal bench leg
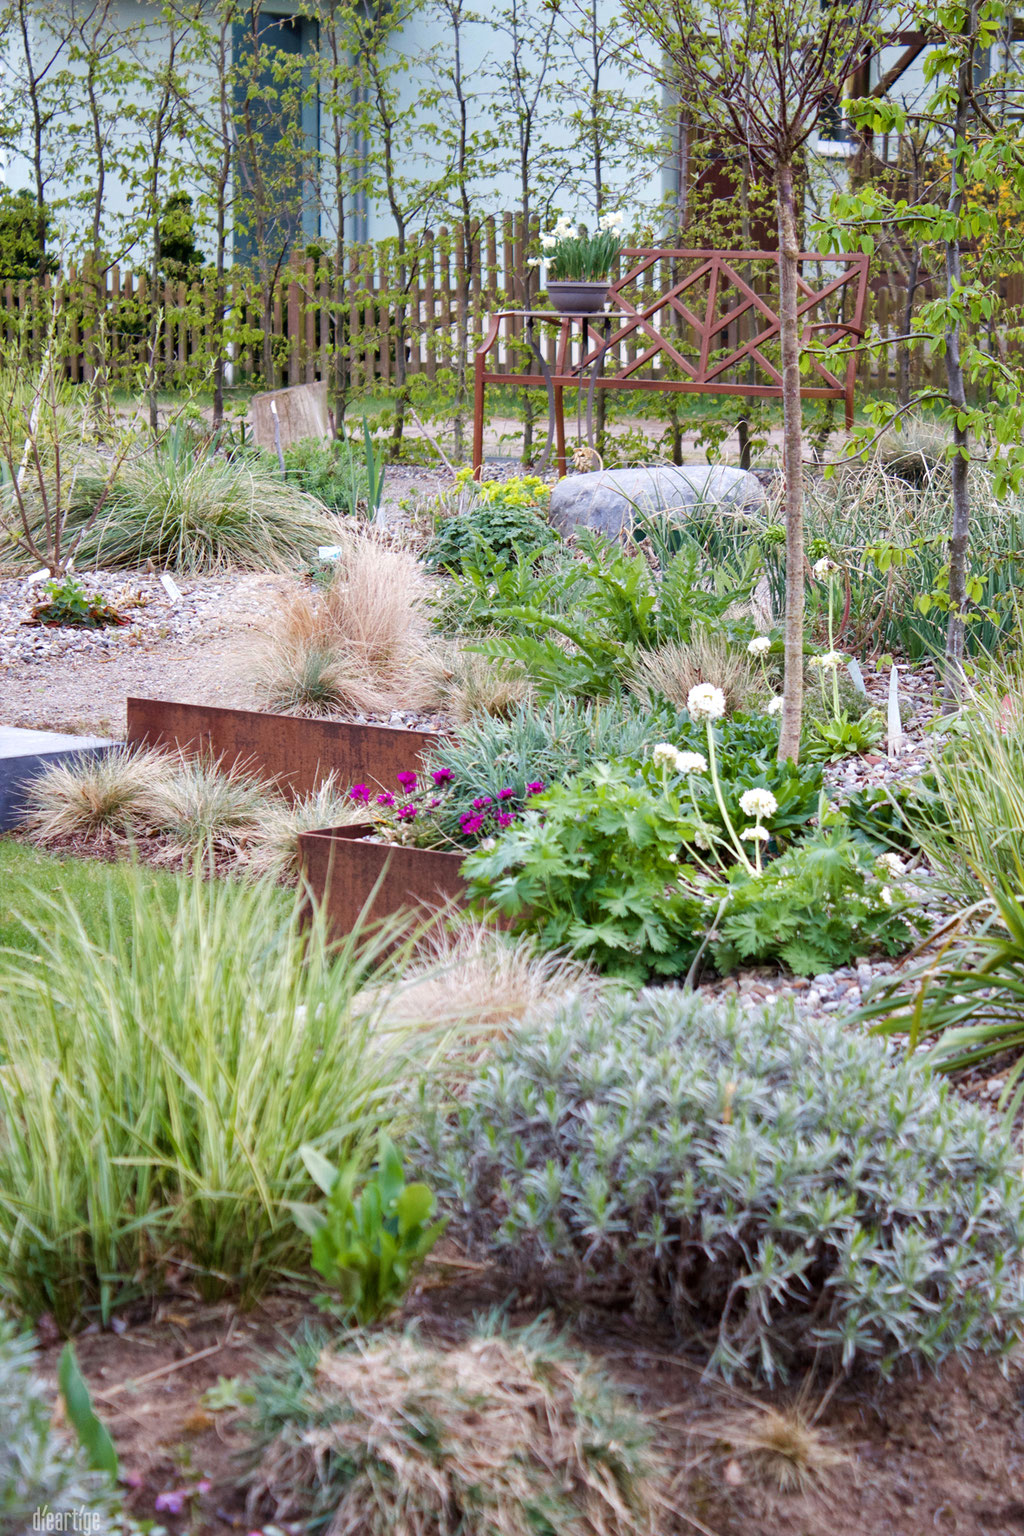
{"points": [[560, 431], [478, 422], [553, 413]]}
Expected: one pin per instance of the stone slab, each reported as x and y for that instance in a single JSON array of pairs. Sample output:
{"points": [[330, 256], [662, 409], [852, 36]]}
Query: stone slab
{"points": [[25, 754], [608, 500]]}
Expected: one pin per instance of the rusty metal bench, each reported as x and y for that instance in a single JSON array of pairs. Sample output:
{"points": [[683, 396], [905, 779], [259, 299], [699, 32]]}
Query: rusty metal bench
{"points": [[704, 349]]}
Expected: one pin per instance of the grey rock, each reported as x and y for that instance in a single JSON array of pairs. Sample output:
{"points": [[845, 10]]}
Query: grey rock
{"points": [[608, 500]]}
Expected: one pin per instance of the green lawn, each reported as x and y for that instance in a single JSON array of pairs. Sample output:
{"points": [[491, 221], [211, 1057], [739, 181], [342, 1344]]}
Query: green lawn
{"points": [[30, 878]]}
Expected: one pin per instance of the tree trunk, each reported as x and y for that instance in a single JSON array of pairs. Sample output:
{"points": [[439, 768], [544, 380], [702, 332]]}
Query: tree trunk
{"points": [[952, 681], [792, 463]]}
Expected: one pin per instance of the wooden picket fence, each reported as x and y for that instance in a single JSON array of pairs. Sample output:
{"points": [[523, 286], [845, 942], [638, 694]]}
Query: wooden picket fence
{"points": [[423, 307]]}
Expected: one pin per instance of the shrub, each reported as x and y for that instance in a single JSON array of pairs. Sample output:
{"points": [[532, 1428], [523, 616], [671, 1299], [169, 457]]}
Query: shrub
{"points": [[774, 1185], [40, 1472], [189, 509], [508, 1432], [108, 793], [161, 1070], [504, 517]]}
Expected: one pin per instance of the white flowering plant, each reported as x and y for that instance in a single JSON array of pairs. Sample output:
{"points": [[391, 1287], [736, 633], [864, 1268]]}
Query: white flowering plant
{"points": [[571, 255]]}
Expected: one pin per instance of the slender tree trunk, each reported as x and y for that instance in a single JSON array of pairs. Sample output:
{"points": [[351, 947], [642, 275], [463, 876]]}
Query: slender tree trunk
{"points": [[952, 682], [792, 462], [903, 350]]}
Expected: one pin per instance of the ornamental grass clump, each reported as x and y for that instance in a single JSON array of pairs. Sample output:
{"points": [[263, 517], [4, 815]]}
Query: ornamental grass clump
{"points": [[776, 1188], [506, 1434], [105, 794], [162, 1064]]}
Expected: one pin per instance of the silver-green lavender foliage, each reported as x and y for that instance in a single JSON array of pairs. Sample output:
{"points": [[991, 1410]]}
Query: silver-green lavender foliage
{"points": [[774, 1186], [40, 1470]]}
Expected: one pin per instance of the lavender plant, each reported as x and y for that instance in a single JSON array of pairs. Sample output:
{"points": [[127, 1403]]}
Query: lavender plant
{"points": [[773, 1187]]}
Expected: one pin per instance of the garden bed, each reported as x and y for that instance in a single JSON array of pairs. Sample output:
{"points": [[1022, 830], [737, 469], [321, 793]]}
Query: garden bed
{"points": [[356, 880], [296, 753]]}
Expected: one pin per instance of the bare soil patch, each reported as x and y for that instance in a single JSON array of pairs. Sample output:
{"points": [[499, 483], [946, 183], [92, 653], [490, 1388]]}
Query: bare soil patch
{"points": [[935, 1453]]}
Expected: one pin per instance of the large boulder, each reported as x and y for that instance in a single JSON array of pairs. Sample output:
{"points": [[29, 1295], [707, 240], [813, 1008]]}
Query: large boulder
{"points": [[608, 500]]}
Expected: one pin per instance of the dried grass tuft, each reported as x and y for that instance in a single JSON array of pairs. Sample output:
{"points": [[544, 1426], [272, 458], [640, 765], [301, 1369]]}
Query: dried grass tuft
{"points": [[363, 644], [486, 980], [273, 845], [107, 794], [781, 1447], [505, 1435], [480, 685], [673, 670]]}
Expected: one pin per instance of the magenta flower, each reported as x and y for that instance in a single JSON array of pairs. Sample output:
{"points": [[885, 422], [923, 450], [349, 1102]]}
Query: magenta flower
{"points": [[504, 818], [471, 824], [508, 793], [434, 802], [536, 788], [361, 793], [442, 775], [407, 780], [407, 813], [478, 805], [385, 799]]}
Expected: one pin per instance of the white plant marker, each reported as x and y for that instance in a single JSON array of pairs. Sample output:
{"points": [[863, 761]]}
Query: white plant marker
{"points": [[856, 675], [895, 725], [169, 587], [43, 575]]}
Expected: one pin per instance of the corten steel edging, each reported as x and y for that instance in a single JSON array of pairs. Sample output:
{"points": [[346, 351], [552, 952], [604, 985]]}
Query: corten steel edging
{"points": [[298, 754], [343, 872]]}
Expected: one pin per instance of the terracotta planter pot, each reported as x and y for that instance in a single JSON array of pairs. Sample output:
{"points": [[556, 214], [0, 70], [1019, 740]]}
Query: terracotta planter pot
{"points": [[351, 877], [578, 298], [297, 754]]}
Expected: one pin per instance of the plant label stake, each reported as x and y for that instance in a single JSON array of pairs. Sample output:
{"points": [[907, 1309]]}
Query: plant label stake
{"points": [[895, 726], [170, 588]]}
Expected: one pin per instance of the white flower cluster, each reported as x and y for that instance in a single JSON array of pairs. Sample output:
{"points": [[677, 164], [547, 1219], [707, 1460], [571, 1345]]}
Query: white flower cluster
{"points": [[759, 645], [609, 221], [705, 702], [775, 705], [665, 755], [823, 567], [829, 662], [758, 803]]}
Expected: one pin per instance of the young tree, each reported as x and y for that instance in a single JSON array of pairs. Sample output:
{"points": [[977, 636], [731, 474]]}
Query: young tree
{"points": [[970, 118], [39, 61], [757, 73]]}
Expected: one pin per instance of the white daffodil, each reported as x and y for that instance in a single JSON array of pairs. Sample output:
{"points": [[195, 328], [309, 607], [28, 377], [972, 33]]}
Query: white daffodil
{"points": [[775, 704], [705, 702], [759, 645], [610, 221], [549, 241], [758, 803], [691, 762], [563, 228]]}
